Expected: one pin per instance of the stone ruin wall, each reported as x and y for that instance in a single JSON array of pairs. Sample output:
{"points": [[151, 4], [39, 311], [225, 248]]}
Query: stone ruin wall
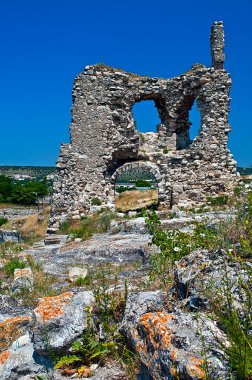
{"points": [[104, 140]]}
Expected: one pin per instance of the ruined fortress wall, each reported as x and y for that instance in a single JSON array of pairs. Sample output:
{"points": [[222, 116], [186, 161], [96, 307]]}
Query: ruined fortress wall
{"points": [[104, 139]]}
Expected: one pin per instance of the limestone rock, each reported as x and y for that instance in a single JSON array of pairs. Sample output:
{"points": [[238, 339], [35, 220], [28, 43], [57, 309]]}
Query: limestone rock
{"points": [[137, 226], [137, 305], [12, 328], [60, 320], [76, 272], [12, 307], [99, 249], [170, 344], [23, 280], [203, 273], [9, 236], [20, 362], [112, 373]]}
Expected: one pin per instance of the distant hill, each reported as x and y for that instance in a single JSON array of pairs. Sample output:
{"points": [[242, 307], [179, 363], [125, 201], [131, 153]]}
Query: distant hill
{"points": [[34, 172], [244, 171]]}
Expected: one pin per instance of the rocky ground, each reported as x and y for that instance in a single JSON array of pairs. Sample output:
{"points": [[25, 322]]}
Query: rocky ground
{"points": [[171, 331]]}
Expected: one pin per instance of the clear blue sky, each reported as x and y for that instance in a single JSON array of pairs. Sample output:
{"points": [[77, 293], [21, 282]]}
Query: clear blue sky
{"points": [[46, 43]]}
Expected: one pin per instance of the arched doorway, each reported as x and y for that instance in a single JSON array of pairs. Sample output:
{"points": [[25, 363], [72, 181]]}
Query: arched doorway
{"points": [[136, 186]]}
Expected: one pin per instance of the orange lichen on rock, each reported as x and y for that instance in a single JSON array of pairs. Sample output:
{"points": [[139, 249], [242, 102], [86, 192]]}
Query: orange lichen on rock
{"points": [[173, 371], [194, 368], [11, 329], [51, 307], [158, 333], [155, 324], [4, 356], [158, 337]]}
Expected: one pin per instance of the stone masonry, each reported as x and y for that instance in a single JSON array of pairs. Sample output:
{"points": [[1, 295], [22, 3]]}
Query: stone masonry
{"points": [[104, 140]]}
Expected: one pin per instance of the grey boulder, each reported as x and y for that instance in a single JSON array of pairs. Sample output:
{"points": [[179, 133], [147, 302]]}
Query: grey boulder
{"points": [[60, 320]]}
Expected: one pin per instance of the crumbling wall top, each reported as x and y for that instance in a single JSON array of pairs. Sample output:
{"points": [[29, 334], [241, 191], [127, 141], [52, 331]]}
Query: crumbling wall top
{"points": [[217, 43]]}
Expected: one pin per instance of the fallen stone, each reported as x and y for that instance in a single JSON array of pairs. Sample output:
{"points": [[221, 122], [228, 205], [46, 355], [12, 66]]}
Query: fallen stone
{"points": [[170, 344], [113, 373], [109, 372], [60, 320], [13, 328], [12, 307], [137, 305], [20, 362], [55, 239], [201, 275], [23, 280], [9, 236], [136, 226], [76, 272]]}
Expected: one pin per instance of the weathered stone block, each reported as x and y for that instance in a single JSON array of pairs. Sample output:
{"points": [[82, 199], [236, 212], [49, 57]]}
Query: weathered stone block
{"points": [[60, 320]]}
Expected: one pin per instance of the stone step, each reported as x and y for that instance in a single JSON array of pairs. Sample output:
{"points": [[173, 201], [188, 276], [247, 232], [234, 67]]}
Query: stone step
{"points": [[55, 239]]}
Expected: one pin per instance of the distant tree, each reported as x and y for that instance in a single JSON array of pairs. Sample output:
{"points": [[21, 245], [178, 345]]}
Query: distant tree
{"points": [[23, 192], [38, 187], [23, 195], [6, 187], [142, 183]]}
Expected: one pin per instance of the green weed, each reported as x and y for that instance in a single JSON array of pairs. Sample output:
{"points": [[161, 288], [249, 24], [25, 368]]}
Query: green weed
{"points": [[220, 200], [88, 225], [96, 202], [236, 323], [3, 221], [12, 264]]}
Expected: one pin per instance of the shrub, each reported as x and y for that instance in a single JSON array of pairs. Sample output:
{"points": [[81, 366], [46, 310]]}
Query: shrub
{"points": [[121, 189], [13, 264], [88, 225], [6, 187], [221, 200], [96, 202], [174, 244], [81, 281], [23, 195], [3, 221], [172, 215], [142, 183]]}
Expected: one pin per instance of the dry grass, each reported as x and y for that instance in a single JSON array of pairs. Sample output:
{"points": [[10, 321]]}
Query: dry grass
{"points": [[14, 205], [32, 226], [136, 199]]}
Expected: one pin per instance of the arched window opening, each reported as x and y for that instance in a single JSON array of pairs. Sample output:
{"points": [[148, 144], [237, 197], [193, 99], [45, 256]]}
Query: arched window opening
{"points": [[135, 188], [194, 118], [146, 116]]}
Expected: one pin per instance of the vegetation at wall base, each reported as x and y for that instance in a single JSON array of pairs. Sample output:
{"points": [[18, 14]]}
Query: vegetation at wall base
{"points": [[88, 225], [3, 221]]}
